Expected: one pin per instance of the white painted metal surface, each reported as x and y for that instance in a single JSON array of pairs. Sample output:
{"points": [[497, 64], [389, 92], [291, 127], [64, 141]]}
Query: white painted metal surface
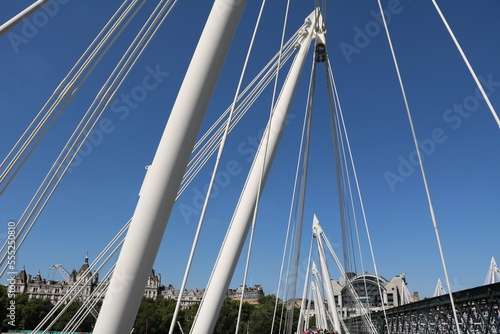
{"points": [[493, 275], [4, 28], [319, 306], [242, 217], [164, 176], [325, 272], [303, 318]]}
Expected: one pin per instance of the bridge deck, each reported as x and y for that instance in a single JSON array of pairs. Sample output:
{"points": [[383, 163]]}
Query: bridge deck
{"points": [[478, 311]]}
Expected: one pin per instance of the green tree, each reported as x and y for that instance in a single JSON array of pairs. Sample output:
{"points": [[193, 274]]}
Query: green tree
{"points": [[20, 301], [166, 308], [226, 322], [86, 326], [186, 317], [33, 313], [228, 316], [4, 304], [246, 313], [154, 316], [312, 321], [261, 318], [145, 318]]}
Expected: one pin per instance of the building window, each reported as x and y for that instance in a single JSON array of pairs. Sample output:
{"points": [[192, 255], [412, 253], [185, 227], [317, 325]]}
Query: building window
{"points": [[390, 299]]}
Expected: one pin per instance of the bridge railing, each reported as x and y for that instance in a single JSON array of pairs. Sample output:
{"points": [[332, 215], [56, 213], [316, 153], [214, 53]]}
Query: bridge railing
{"points": [[478, 311]]}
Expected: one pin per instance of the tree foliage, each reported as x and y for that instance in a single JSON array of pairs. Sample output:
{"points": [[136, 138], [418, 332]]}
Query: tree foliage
{"points": [[87, 324], [155, 315], [26, 313]]}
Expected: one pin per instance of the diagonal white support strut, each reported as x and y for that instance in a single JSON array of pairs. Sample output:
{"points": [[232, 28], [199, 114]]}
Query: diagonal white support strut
{"points": [[242, 217], [319, 306], [164, 176], [325, 272]]}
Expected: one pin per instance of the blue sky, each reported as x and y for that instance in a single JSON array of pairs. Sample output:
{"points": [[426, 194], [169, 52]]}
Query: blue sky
{"points": [[100, 194]]}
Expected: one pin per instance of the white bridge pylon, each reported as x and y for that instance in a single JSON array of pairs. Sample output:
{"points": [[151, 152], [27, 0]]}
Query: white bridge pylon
{"points": [[493, 275], [163, 179], [325, 273], [164, 176], [319, 306], [243, 215]]}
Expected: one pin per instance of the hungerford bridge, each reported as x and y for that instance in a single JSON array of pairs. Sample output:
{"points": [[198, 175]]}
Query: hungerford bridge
{"points": [[179, 158], [478, 312]]}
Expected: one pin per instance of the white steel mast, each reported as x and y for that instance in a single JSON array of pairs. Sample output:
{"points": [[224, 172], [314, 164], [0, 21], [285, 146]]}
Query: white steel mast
{"points": [[319, 306], [493, 275], [242, 217], [327, 284], [164, 176], [302, 314]]}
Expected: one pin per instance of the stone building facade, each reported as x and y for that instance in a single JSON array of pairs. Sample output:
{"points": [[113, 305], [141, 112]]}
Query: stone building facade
{"points": [[391, 293], [82, 283], [251, 295]]}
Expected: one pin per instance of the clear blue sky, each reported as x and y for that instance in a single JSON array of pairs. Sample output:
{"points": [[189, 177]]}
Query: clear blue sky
{"points": [[100, 194]]}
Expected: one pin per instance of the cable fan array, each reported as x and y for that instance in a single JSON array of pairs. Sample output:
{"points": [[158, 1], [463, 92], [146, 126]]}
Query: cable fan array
{"points": [[203, 150], [63, 95], [76, 290], [345, 170], [66, 90]]}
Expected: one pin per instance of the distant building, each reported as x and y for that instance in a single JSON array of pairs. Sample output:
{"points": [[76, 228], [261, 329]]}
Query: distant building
{"points": [[54, 290], [153, 285], [392, 293], [251, 295], [189, 297], [372, 292], [41, 288]]}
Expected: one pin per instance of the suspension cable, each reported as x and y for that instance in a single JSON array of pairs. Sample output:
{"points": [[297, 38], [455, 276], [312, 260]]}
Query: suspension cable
{"points": [[338, 128], [358, 189], [286, 289], [299, 175], [289, 49], [93, 114], [305, 297], [88, 304], [111, 248], [202, 154], [344, 141], [65, 91], [299, 208], [471, 70], [351, 288], [265, 140], [333, 88], [78, 64], [283, 32], [421, 164], [44, 120], [298, 192], [20, 17], [214, 173], [338, 173], [250, 243]]}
